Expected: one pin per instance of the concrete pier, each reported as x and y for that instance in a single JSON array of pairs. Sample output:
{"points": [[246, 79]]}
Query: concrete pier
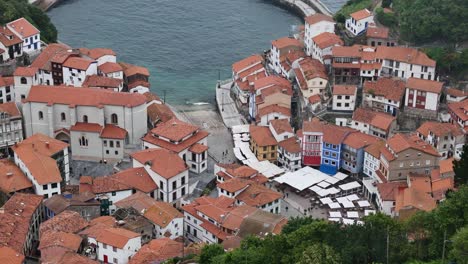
{"points": [[227, 107]]}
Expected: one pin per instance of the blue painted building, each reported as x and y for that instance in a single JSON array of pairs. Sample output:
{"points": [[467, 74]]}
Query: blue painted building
{"points": [[352, 154], [333, 137]]}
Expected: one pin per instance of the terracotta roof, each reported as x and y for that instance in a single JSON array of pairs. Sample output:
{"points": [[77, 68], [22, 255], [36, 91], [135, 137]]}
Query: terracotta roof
{"points": [[312, 68], [446, 166], [315, 99], [71, 257], [237, 215], [176, 147], [389, 190], [10, 256], [392, 89], [159, 112], [48, 53], [377, 119], [12, 178], [78, 63], [327, 39], [110, 67], [162, 214], [59, 239], [130, 69], [114, 132], [252, 70], [456, 92], [16, 218], [6, 81], [439, 129], [377, 32], [358, 140], [262, 136], [417, 195], [403, 54], [9, 38], [86, 127], [272, 80], [460, 109], [132, 178], [138, 83], [260, 223], [317, 17], [23, 27], [234, 184], [374, 148], [286, 42], [96, 53], [247, 63], [344, 89], [274, 108], [281, 126], [441, 186], [291, 145], [400, 142], [25, 71], [11, 109], [241, 171], [164, 162], [58, 203], [198, 148], [116, 237], [158, 250], [101, 82], [139, 201], [354, 51], [335, 135], [83, 96], [35, 152], [425, 85], [361, 14], [67, 221], [174, 129], [257, 195], [315, 125]]}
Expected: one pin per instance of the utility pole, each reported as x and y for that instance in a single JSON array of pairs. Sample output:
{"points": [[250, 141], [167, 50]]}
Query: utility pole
{"points": [[443, 246], [388, 242]]}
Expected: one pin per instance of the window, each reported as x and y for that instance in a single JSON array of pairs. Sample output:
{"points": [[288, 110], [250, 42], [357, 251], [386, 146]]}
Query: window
{"points": [[115, 250], [174, 196], [54, 185], [85, 119], [24, 80], [182, 180], [105, 143], [111, 143], [161, 185], [63, 117], [182, 191], [428, 162], [41, 115], [174, 184], [114, 119], [116, 152], [115, 260], [113, 193], [117, 144], [347, 97], [45, 187], [83, 141], [401, 164], [104, 246]]}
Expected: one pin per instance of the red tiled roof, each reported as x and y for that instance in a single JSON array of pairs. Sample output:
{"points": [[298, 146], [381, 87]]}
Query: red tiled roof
{"points": [[11, 109], [361, 14], [247, 63], [78, 63], [8, 38], [286, 42], [425, 85], [281, 126], [113, 131], [12, 178], [313, 68], [48, 53], [175, 147], [460, 109], [101, 82], [271, 81], [83, 96], [392, 89], [359, 140], [130, 70], [344, 89], [257, 195], [198, 148], [10, 256], [262, 136], [159, 112], [174, 129], [139, 201], [400, 142], [377, 119], [374, 148], [71, 257], [234, 184], [274, 108], [161, 214], [6, 81], [86, 127], [133, 178], [456, 92], [291, 145], [317, 17], [403, 54], [315, 125], [439, 129], [66, 221], [97, 53], [110, 67], [23, 27], [335, 134], [116, 237], [158, 250], [60, 239], [389, 190], [315, 99], [241, 171], [377, 32], [164, 162], [25, 71], [327, 39]]}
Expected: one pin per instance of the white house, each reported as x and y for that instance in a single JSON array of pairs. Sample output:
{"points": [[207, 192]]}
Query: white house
{"points": [[11, 45], [289, 154], [315, 25], [7, 89], [167, 170], [187, 140], [167, 220], [272, 112], [101, 55], [24, 78], [117, 245], [45, 162], [446, 138], [423, 96], [373, 123], [279, 49], [11, 125], [75, 70], [281, 129], [103, 82], [244, 73], [30, 35], [322, 45], [344, 97], [54, 110], [459, 114], [312, 78], [455, 95], [111, 70], [359, 21], [372, 160], [405, 63]]}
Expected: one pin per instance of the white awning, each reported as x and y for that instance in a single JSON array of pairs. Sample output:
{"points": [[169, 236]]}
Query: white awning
{"points": [[352, 197], [323, 184], [348, 204], [335, 214], [347, 221], [363, 203], [334, 219], [238, 154], [302, 178], [340, 176], [334, 205], [349, 186], [333, 190], [332, 180], [353, 214], [326, 200], [342, 199], [241, 129]]}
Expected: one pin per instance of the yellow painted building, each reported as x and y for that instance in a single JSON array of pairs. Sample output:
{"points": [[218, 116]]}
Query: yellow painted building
{"points": [[263, 144]]}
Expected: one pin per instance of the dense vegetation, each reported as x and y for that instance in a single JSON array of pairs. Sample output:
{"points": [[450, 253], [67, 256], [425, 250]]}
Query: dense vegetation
{"points": [[419, 239], [13, 9], [350, 7], [450, 62], [424, 21]]}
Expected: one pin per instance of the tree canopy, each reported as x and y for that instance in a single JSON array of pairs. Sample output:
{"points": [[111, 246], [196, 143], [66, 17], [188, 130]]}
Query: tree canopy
{"points": [[13, 9], [460, 167]]}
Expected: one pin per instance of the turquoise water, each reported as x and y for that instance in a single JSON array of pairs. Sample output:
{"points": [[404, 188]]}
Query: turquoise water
{"points": [[185, 44]]}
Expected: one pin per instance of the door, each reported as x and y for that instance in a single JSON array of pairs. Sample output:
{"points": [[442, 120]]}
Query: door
{"points": [[105, 259]]}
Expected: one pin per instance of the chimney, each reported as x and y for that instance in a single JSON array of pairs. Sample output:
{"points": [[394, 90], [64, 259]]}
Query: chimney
{"points": [[9, 174], [47, 144]]}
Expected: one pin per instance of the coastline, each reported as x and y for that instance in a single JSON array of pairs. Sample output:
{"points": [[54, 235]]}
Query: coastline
{"points": [[302, 8]]}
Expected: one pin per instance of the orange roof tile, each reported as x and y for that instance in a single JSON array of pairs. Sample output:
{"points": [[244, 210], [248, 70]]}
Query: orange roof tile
{"points": [[12, 178], [234, 184], [132, 178], [198, 148], [83, 96], [158, 250], [116, 237], [315, 125], [400, 142], [313, 68], [262, 136], [392, 89], [176, 147], [71, 257], [6, 81], [10, 256], [456, 92], [377, 119], [23, 27], [317, 17], [327, 39], [257, 195], [8, 38], [139, 201], [286, 42], [315, 99], [358, 140], [441, 186], [446, 166], [344, 90], [361, 14], [388, 190], [25, 71], [247, 63], [271, 81], [48, 53], [97, 53], [274, 108], [114, 132], [374, 148], [78, 63], [130, 70], [335, 134], [86, 127], [377, 32], [425, 85], [241, 171], [161, 214], [237, 215], [11, 109], [281, 126], [164, 162], [439, 129], [159, 112], [403, 54], [110, 67], [291, 145], [60, 239], [174, 129], [460, 109], [67, 221], [354, 51], [92, 81]]}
